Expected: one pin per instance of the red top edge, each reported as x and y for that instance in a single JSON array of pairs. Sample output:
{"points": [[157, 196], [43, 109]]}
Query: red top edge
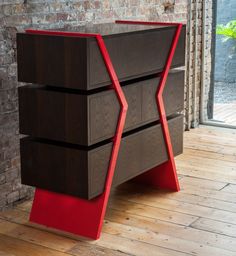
{"points": [[152, 23], [55, 32], [59, 33]]}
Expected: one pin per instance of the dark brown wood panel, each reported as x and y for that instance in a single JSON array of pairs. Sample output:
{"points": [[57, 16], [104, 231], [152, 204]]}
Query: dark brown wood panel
{"points": [[74, 62], [59, 169], [173, 96], [52, 60], [135, 55], [81, 171], [146, 149], [88, 119]]}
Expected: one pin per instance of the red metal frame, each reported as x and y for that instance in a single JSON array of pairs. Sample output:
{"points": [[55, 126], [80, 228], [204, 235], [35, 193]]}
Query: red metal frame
{"points": [[71, 214], [164, 175], [85, 217]]}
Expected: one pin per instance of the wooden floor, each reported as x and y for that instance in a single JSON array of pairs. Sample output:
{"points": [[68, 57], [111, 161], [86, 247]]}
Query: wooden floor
{"points": [[199, 220], [225, 113]]}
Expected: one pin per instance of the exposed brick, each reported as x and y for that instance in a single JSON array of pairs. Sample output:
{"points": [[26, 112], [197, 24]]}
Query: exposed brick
{"points": [[26, 192], [4, 166], [12, 174], [16, 184], [169, 7], [13, 196], [5, 189], [2, 178]]}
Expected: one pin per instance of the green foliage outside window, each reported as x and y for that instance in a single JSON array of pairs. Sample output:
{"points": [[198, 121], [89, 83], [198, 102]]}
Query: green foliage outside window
{"points": [[228, 30]]}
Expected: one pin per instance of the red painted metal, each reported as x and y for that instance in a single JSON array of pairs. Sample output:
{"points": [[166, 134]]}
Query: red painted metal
{"points": [[85, 217], [164, 175], [151, 23], [71, 214]]}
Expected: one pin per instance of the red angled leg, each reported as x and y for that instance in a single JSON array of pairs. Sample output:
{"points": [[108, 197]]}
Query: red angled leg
{"points": [[164, 175], [71, 214]]}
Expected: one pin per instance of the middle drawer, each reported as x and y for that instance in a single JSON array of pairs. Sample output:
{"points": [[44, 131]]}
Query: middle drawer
{"points": [[89, 119]]}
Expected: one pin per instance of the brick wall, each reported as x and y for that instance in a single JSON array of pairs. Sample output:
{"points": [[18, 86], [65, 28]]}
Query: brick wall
{"points": [[193, 64], [207, 66], [16, 15]]}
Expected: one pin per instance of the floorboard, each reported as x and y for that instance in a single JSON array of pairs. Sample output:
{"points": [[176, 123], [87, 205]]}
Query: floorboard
{"points": [[198, 220]]}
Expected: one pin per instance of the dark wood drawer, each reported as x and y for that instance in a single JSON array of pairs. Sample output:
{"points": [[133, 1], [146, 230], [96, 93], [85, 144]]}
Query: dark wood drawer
{"points": [[81, 171], [88, 119], [73, 62]]}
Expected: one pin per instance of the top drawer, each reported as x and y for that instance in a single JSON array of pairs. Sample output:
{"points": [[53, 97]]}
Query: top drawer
{"points": [[76, 62]]}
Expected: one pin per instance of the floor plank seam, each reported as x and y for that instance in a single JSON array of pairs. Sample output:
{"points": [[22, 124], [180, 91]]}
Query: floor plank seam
{"points": [[191, 176], [225, 186], [135, 214], [37, 244], [158, 246], [190, 225], [79, 239], [185, 202], [194, 215], [207, 150], [218, 233]]}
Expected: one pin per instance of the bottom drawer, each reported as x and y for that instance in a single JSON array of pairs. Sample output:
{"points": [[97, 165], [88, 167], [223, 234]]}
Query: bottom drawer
{"points": [[81, 171]]}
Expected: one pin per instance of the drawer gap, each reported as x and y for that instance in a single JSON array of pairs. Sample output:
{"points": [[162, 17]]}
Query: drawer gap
{"points": [[99, 144]]}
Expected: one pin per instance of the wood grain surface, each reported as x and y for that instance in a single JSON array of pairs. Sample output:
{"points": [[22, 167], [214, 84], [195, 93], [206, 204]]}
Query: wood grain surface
{"points": [[81, 171], [76, 62]]}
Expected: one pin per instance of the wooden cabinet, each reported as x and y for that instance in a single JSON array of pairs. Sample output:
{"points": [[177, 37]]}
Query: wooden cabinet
{"points": [[70, 113], [73, 62]]}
